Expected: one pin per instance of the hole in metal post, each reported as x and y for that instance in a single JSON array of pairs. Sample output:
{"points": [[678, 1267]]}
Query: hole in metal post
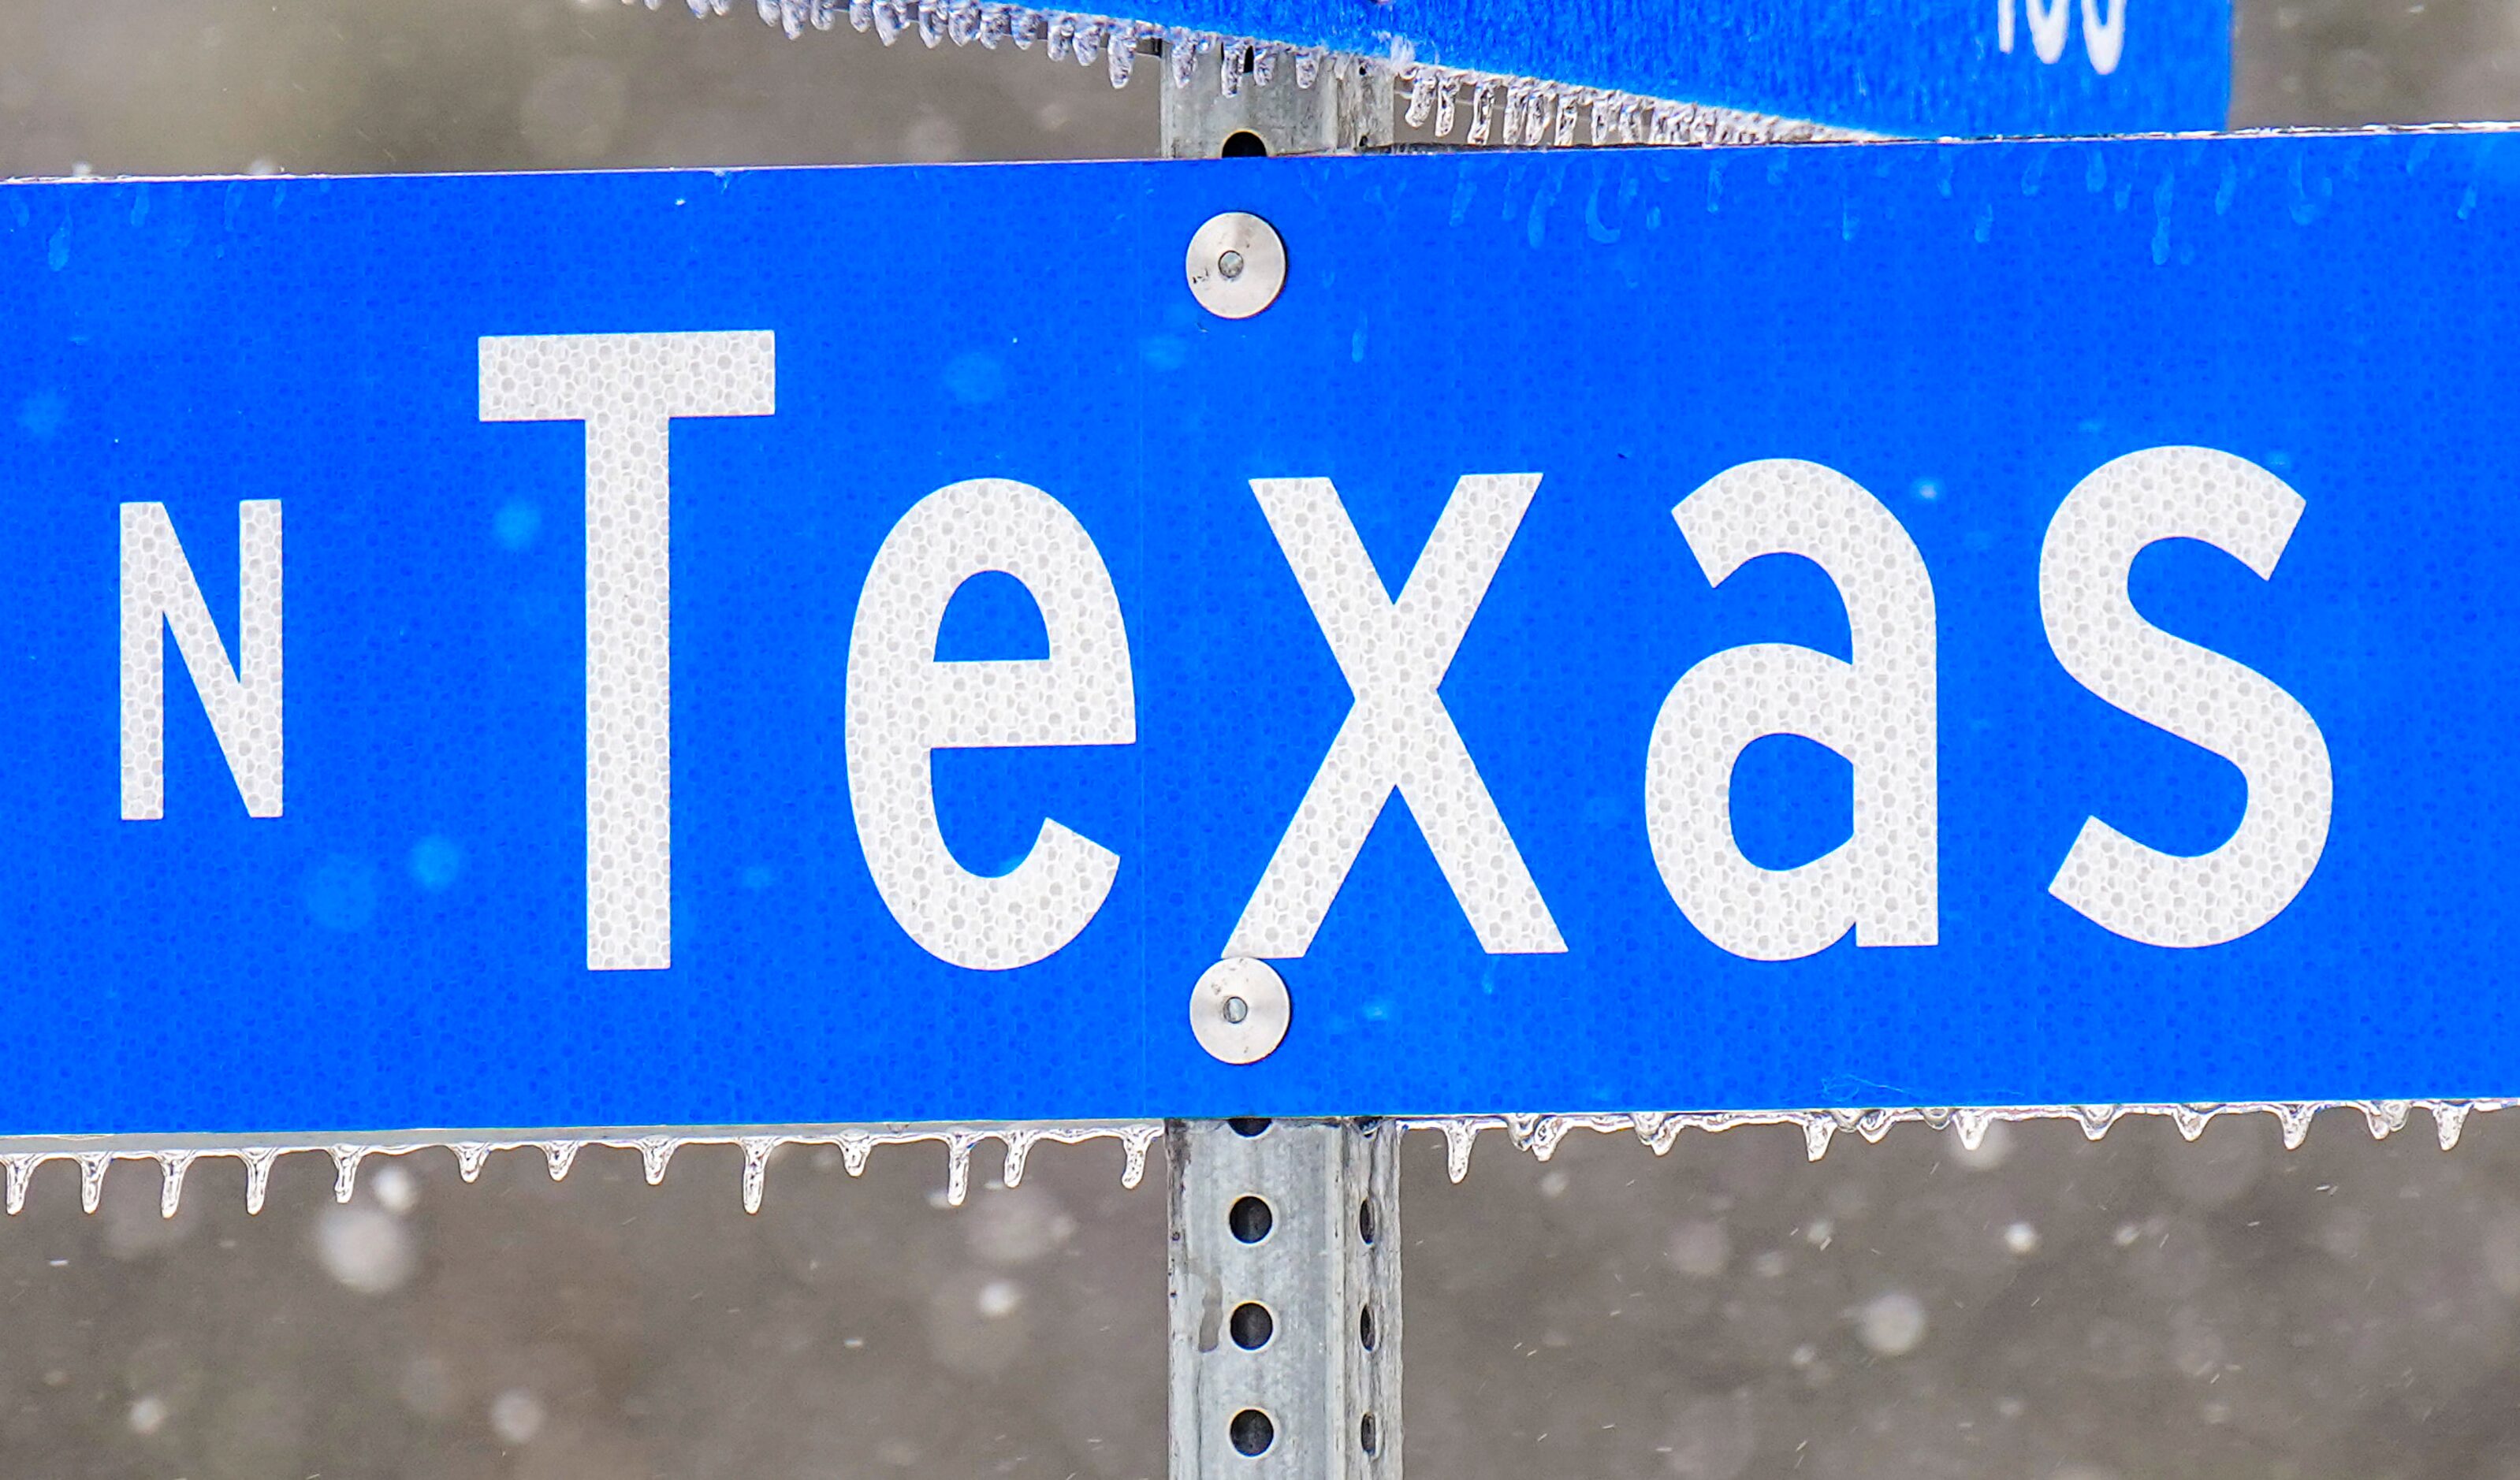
{"points": [[1364, 1327], [1243, 144], [1252, 1326], [1365, 1220], [1365, 1435], [1250, 1219], [1252, 1432], [1249, 1125]]}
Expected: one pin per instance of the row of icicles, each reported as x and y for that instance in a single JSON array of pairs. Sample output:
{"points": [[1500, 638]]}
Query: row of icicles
{"points": [[1535, 113], [1540, 1135]]}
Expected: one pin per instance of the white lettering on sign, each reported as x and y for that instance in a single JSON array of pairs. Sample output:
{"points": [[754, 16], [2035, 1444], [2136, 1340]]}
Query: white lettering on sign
{"points": [[627, 388], [2103, 38], [1398, 735], [1877, 710], [159, 595], [2164, 899], [903, 703]]}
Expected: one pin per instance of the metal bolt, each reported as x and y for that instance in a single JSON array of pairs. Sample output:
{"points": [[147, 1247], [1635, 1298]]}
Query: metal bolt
{"points": [[1239, 1009], [1235, 265]]}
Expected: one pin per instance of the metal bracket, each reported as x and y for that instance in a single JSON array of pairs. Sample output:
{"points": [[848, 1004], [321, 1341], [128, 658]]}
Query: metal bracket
{"points": [[1348, 109], [1285, 1276]]}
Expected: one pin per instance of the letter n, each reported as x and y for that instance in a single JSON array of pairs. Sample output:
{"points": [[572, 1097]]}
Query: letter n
{"points": [[242, 700]]}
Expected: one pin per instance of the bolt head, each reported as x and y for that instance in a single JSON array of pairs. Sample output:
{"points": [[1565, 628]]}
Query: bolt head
{"points": [[1235, 265]]}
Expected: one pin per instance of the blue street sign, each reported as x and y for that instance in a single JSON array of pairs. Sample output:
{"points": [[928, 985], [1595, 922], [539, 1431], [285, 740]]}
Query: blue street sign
{"points": [[2001, 623], [1928, 68]]}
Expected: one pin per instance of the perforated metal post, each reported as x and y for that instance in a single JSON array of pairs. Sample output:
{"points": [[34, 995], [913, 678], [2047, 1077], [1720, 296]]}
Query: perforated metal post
{"points": [[1285, 1270], [1347, 108]]}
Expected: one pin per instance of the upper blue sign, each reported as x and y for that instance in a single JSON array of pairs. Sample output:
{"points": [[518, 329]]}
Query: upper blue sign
{"points": [[1925, 67], [1828, 626]]}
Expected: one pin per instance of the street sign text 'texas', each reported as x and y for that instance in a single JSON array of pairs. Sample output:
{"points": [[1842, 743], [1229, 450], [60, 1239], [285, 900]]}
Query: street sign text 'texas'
{"points": [[1853, 625]]}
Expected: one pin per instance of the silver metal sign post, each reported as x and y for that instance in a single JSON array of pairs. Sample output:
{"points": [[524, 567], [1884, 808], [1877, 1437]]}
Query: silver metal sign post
{"points": [[1284, 1282]]}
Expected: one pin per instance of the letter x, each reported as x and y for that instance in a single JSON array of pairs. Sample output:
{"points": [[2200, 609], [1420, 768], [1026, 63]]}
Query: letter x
{"points": [[1398, 735]]}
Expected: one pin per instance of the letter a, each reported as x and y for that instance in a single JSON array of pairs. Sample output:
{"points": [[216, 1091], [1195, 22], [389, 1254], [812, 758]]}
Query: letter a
{"points": [[1876, 710]]}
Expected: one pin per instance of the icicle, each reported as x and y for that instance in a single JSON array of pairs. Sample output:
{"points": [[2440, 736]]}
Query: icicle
{"points": [[346, 1170], [1972, 1125], [171, 1167], [1308, 67], [2189, 1119], [92, 1165], [958, 1166], [756, 1169], [2296, 1124], [963, 21], [1089, 42], [1566, 119], [931, 22], [1817, 1130], [1421, 96], [1062, 36], [1512, 133], [1444, 109], [1523, 1130], [1631, 124], [20, 1167], [1600, 120], [1024, 28], [1134, 1145], [2448, 1120], [1264, 65], [1229, 67], [1481, 102], [826, 14], [994, 27], [469, 1156], [887, 20], [1872, 1125], [1120, 53], [560, 1154], [1180, 54], [654, 1151], [2096, 1119], [1656, 1129], [258, 1176], [699, 9], [2384, 1116], [1459, 1137], [1019, 1144], [794, 18], [1535, 116]]}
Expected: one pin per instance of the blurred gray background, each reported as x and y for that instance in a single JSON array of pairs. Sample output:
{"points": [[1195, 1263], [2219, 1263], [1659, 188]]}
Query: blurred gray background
{"points": [[2040, 1309]]}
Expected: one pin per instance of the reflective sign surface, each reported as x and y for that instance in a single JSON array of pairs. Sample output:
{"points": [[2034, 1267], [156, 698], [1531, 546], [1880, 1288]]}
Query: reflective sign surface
{"points": [[1917, 624]]}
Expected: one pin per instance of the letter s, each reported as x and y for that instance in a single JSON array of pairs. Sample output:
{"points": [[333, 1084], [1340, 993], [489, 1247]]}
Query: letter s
{"points": [[2158, 898]]}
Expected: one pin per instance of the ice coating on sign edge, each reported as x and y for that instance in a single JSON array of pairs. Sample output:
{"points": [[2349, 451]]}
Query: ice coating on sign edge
{"points": [[1531, 103], [1539, 1135]]}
